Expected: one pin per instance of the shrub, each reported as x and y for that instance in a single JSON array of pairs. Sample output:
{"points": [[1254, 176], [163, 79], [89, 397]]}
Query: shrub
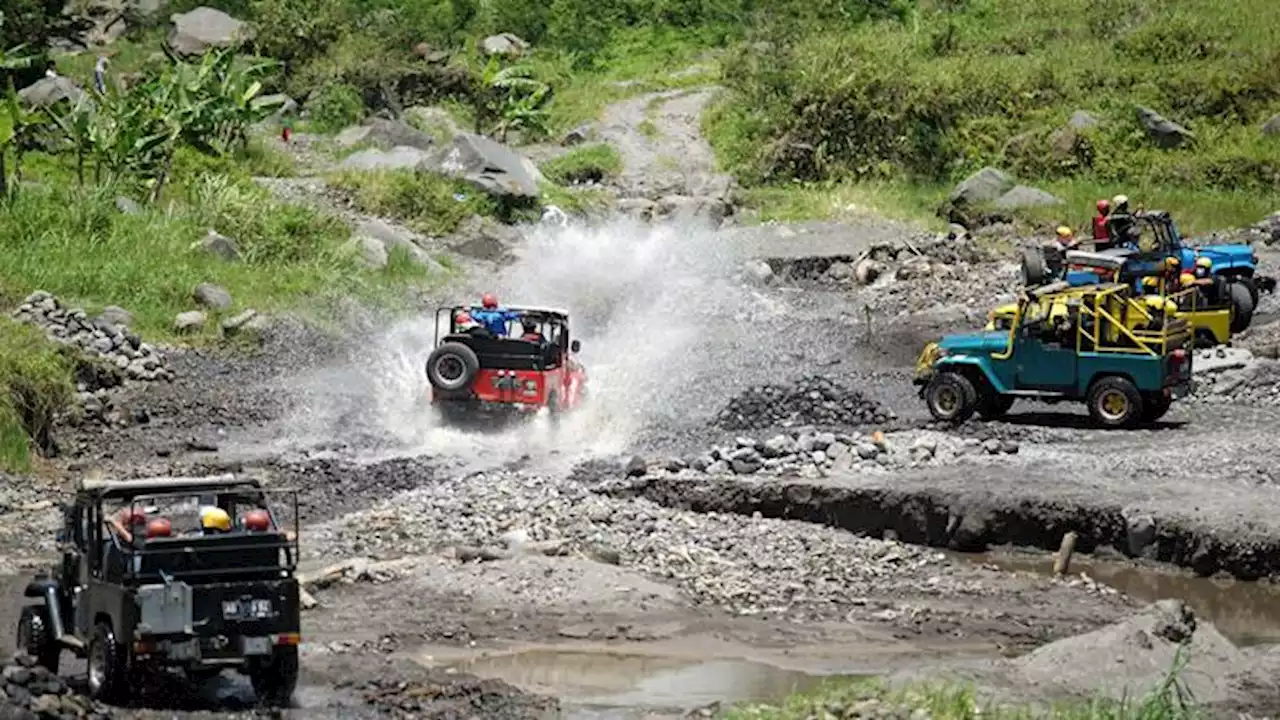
{"points": [[35, 380], [429, 203], [335, 107], [589, 163]]}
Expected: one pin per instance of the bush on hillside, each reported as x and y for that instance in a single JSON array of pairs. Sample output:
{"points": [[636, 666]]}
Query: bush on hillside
{"points": [[35, 385], [996, 84]]}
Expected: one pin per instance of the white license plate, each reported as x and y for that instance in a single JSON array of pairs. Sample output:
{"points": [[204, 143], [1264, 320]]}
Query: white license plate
{"points": [[257, 645]]}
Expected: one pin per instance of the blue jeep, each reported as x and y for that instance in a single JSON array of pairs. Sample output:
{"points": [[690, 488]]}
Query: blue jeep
{"points": [[1153, 237], [1126, 372]]}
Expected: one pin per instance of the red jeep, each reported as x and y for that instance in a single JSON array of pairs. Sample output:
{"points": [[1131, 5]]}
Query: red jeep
{"points": [[473, 370]]}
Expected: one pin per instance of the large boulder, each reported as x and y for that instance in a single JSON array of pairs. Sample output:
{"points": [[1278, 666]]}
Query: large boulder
{"points": [[1082, 120], [49, 91], [490, 166], [385, 134], [195, 32], [1025, 196], [981, 187], [397, 158], [1163, 132], [483, 239], [392, 238]]}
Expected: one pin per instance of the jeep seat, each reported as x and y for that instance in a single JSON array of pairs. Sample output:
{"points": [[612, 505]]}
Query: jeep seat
{"points": [[235, 555], [508, 353]]}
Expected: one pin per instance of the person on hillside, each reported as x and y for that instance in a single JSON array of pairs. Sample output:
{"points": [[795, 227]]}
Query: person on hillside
{"points": [[1101, 236], [493, 317]]}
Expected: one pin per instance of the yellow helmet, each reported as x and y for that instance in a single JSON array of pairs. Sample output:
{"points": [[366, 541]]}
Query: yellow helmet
{"points": [[1170, 307], [1064, 231], [1186, 278], [1171, 262], [1150, 282], [215, 519], [1204, 262]]}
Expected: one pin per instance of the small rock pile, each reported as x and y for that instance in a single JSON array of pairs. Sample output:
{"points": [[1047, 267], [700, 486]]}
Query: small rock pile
{"points": [[106, 337], [815, 454], [31, 691], [1234, 376], [813, 400]]}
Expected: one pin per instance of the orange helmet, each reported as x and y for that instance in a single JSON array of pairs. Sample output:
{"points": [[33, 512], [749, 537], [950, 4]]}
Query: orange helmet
{"points": [[489, 300], [159, 527], [257, 521]]}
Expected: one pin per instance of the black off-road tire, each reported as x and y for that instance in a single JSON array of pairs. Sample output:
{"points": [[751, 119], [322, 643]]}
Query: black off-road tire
{"points": [[108, 665], [1241, 306], [951, 397], [274, 680], [1115, 403], [992, 406], [452, 367], [1034, 268], [35, 637], [1154, 407]]}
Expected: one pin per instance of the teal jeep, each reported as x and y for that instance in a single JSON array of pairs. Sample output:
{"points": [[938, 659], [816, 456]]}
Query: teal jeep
{"points": [[1109, 349]]}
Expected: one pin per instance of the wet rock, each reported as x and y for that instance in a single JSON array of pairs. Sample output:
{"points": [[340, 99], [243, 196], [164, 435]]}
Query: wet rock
{"points": [[211, 296], [867, 271], [814, 401], [204, 28], [1140, 534], [1163, 132], [760, 272], [636, 467], [219, 246], [644, 210]]}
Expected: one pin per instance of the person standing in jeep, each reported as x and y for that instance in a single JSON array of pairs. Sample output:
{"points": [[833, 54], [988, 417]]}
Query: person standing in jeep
{"points": [[1101, 234]]}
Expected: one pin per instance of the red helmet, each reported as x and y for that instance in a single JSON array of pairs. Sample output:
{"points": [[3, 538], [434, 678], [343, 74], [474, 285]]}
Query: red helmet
{"points": [[159, 527], [463, 318], [489, 300], [1104, 206], [257, 521]]}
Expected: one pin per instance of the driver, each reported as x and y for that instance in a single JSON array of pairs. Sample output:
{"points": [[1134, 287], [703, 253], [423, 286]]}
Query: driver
{"points": [[1121, 226], [493, 317], [531, 332]]}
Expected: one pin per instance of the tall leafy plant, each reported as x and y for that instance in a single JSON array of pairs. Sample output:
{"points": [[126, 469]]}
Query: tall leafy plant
{"points": [[16, 123], [510, 98]]}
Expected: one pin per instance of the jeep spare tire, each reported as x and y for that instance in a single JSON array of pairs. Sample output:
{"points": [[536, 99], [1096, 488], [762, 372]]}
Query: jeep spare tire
{"points": [[1241, 306], [452, 367], [1034, 271]]}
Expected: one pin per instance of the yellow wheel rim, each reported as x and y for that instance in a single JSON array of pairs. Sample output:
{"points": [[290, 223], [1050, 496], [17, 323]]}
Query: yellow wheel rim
{"points": [[1114, 404]]}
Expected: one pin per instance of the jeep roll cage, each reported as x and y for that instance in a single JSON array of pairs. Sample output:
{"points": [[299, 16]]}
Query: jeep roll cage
{"points": [[513, 353]]}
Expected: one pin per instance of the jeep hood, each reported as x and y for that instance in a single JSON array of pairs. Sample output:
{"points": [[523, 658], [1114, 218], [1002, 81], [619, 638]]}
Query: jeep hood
{"points": [[980, 342], [1227, 254]]}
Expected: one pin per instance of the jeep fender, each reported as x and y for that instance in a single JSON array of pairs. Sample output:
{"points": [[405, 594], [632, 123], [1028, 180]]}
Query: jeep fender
{"points": [[38, 588], [974, 367], [48, 589]]}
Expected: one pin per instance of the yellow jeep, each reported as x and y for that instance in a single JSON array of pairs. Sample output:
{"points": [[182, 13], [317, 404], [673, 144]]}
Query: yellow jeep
{"points": [[1210, 326]]}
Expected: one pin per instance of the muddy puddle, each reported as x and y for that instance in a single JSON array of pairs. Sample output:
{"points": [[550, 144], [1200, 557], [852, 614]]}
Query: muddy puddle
{"points": [[1247, 613], [599, 685]]}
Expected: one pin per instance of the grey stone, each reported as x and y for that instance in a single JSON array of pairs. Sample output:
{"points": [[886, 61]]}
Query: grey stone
{"points": [[1272, 126], [490, 166], [116, 316], [234, 324], [578, 135], [636, 466], [49, 91], [195, 32], [1082, 120], [211, 296], [1024, 196], [504, 44], [485, 239], [779, 446], [393, 238], [371, 252], [1140, 533], [1163, 132], [867, 451], [397, 158], [189, 321], [127, 206], [219, 246], [282, 104], [983, 186], [385, 134]]}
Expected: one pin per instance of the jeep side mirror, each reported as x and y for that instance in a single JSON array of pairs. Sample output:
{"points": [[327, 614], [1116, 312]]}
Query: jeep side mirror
{"points": [[575, 346]]}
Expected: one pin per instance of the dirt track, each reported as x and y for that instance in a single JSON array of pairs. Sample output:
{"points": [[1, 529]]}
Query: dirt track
{"points": [[677, 568]]}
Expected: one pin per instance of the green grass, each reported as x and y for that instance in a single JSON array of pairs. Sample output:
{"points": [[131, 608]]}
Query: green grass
{"points": [[427, 202], [871, 698], [594, 163], [77, 245], [35, 384], [577, 201], [946, 91]]}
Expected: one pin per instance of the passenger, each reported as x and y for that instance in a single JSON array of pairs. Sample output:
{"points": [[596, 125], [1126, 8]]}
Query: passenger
{"points": [[1121, 226], [256, 521], [159, 528], [493, 317], [531, 332], [214, 521], [1067, 238], [126, 522], [1101, 238]]}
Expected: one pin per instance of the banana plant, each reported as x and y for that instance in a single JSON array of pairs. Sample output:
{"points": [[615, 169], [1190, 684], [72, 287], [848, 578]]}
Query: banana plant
{"points": [[17, 125], [510, 98]]}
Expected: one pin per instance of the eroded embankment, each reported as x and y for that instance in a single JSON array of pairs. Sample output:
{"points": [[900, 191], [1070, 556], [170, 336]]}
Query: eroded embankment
{"points": [[971, 522]]}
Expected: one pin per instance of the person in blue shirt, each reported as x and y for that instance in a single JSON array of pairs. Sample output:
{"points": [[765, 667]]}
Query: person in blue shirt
{"points": [[491, 317]]}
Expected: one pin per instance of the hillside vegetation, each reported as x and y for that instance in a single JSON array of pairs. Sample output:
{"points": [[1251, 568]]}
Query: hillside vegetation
{"points": [[958, 84]]}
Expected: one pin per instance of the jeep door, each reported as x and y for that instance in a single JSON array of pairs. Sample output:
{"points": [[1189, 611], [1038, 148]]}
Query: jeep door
{"points": [[1044, 356]]}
